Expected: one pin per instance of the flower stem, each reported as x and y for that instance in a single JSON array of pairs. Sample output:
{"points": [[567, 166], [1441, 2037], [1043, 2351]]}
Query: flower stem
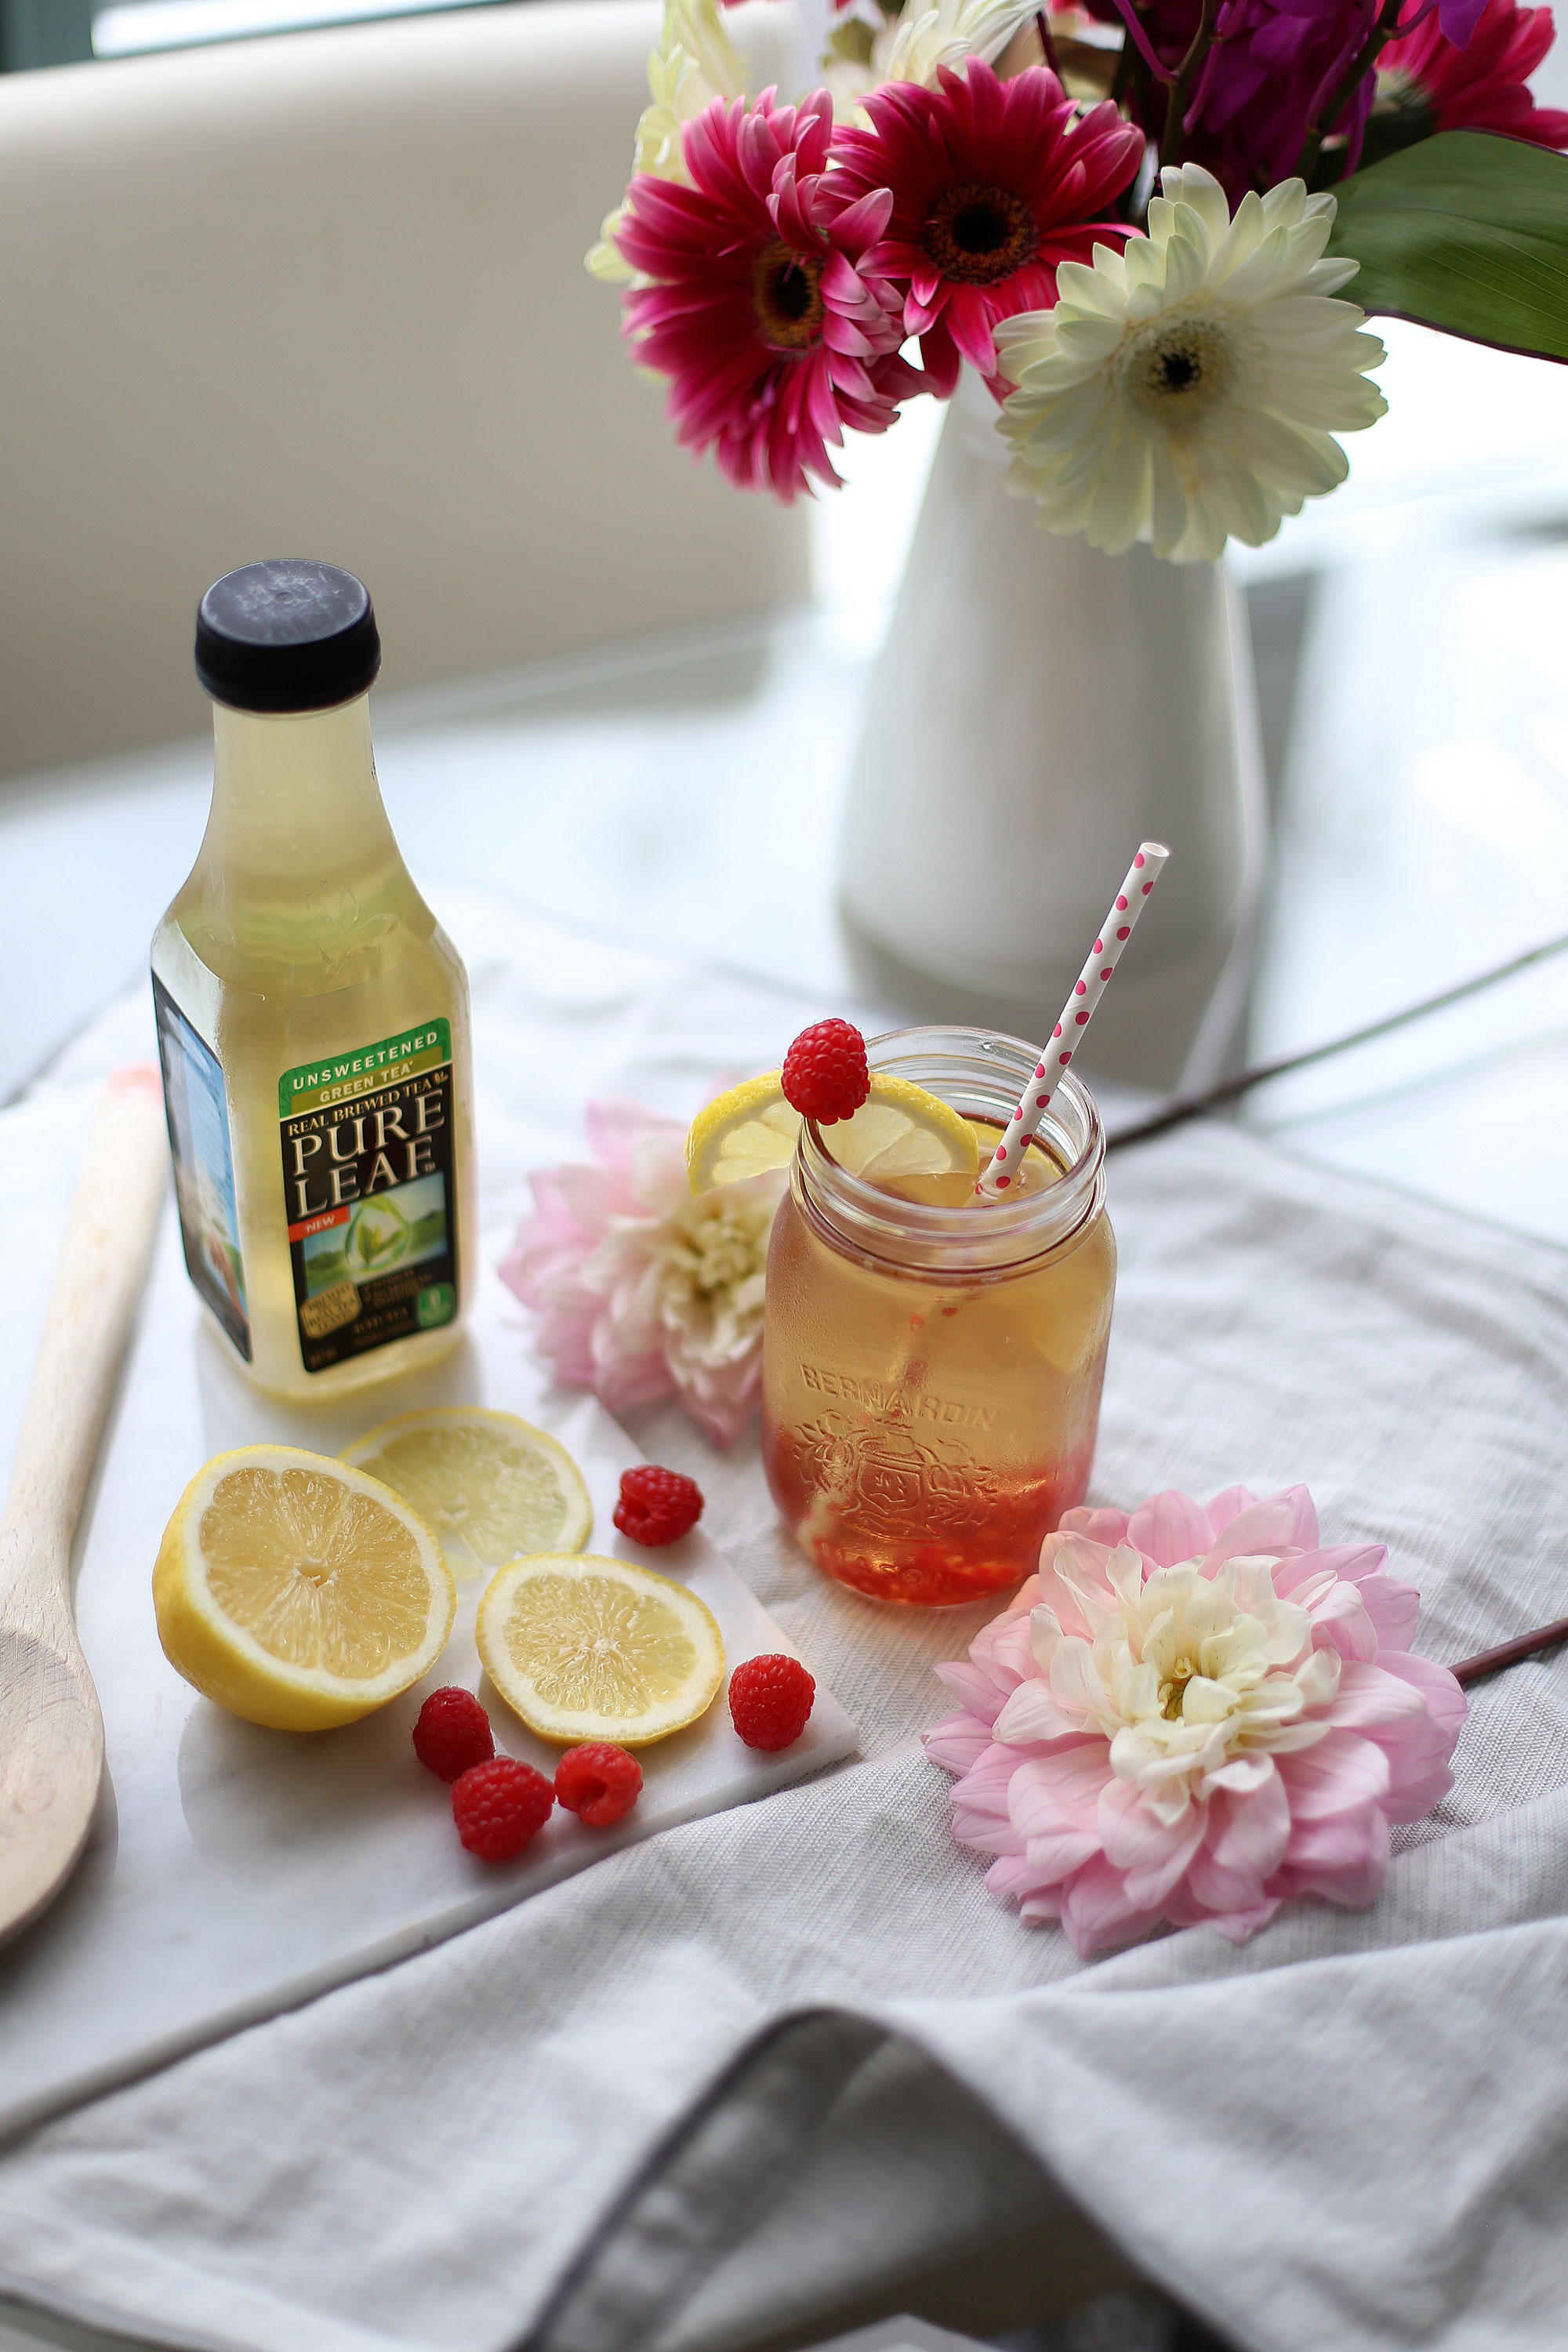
{"points": [[1385, 29], [1043, 26], [1172, 136], [1130, 89], [1119, 80], [1185, 1107], [1509, 1654], [1131, 16]]}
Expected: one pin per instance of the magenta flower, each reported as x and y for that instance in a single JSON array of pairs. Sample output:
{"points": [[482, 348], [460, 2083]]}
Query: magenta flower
{"points": [[763, 307], [642, 1287], [1191, 1715], [1458, 19], [1271, 76], [993, 183], [1425, 83]]}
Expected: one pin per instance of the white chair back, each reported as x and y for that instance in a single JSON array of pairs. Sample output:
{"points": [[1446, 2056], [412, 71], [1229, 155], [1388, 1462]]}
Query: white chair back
{"points": [[324, 295]]}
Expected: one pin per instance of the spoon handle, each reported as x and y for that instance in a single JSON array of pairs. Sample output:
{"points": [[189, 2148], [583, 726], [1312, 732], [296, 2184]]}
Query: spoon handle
{"points": [[103, 1267]]}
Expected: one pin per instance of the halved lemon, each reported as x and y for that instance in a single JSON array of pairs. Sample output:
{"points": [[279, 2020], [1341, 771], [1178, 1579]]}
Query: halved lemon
{"points": [[590, 1648], [488, 1484], [898, 1130], [297, 1592]]}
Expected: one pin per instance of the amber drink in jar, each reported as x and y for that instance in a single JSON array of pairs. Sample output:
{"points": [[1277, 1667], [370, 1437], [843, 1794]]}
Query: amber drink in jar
{"points": [[932, 1363]]}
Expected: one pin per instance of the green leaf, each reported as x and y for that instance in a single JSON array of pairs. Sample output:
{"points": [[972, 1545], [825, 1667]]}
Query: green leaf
{"points": [[1466, 232]]}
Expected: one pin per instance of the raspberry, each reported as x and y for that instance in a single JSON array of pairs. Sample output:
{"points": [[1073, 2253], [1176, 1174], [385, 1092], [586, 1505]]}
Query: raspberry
{"points": [[499, 1805], [598, 1783], [658, 1507], [770, 1701], [825, 1077], [453, 1732]]}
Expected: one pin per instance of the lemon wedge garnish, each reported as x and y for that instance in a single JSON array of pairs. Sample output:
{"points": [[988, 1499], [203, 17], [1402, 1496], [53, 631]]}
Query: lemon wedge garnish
{"points": [[297, 1592], [589, 1648], [488, 1485], [898, 1130], [743, 1133]]}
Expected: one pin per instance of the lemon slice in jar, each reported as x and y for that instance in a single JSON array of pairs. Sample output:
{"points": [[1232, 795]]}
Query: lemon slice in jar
{"points": [[297, 1592], [898, 1130], [490, 1485], [588, 1648]]}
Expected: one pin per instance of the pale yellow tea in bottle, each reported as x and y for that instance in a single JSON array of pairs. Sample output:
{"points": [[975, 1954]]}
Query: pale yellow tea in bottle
{"points": [[312, 1016]]}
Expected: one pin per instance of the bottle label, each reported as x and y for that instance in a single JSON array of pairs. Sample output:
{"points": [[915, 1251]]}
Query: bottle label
{"points": [[198, 1112], [369, 1194]]}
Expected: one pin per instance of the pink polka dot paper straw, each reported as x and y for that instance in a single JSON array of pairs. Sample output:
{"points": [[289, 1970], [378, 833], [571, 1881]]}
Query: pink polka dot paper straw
{"points": [[1067, 1035]]}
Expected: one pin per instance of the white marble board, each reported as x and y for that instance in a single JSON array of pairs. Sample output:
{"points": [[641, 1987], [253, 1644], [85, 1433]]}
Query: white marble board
{"points": [[235, 1872]]}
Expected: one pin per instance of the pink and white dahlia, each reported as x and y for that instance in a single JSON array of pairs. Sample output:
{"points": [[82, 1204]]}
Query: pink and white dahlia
{"points": [[763, 305], [642, 1287], [1191, 1713], [994, 183]]}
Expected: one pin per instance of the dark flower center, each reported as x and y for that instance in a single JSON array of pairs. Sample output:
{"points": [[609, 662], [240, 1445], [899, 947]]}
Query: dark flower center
{"points": [[787, 297], [1177, 367], [979, 233]]}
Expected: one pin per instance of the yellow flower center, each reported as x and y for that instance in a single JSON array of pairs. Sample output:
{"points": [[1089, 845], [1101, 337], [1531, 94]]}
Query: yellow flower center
{"points": [[979, 233], [1173, 1689], [722, 1252]]}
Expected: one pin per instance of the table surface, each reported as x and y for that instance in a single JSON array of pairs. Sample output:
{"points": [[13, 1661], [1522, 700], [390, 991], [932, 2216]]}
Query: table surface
{"points": [[686, 793]]}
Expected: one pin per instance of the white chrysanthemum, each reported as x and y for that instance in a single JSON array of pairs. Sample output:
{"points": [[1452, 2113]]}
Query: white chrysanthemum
{"points": [[695, 62], [1185, 391], [924, 34]]}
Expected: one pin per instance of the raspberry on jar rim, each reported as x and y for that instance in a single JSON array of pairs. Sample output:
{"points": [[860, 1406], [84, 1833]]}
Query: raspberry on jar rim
{"points": [[826, 1076]]}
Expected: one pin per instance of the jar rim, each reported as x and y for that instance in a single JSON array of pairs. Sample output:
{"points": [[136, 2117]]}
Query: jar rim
{"points": [[988, 1069]]}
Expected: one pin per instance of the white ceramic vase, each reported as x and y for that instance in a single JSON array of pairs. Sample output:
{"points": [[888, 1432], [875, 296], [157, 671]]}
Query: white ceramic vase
{"points": [[1039, 709]]}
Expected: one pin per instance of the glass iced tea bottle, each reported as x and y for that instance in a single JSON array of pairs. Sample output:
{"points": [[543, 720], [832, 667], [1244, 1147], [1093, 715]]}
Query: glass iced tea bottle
{"points": [[932, 1366], [312, 1016]]}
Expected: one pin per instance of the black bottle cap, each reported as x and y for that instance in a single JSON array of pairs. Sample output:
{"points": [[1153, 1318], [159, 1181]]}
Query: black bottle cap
{"points": [[286, 635]]}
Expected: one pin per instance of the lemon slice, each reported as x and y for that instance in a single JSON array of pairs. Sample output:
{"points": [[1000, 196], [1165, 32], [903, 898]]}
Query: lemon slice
{"points": [[297, 1592], [489, 1485], [898, 1130], [743, 1133], [589, 1648], [901, 1130]]}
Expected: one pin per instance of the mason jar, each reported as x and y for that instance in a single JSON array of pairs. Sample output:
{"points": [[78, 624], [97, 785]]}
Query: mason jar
{"points": [[931, 1361]]}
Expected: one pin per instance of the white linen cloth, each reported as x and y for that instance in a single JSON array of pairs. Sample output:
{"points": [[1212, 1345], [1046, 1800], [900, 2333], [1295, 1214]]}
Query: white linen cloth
{"points": [[662, 2102]]}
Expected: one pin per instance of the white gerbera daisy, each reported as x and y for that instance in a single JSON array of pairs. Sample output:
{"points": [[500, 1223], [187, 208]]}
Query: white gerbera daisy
{"points": [[695, 62], [1185, 391]]}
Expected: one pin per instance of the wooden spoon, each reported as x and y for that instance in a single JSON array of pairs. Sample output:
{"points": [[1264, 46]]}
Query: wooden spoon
{"points": [[51, 1733]]}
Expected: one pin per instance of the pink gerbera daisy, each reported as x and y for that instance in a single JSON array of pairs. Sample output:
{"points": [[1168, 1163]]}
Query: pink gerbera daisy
{"points": [[993, 185], [764, 308], [1425, 83]]}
